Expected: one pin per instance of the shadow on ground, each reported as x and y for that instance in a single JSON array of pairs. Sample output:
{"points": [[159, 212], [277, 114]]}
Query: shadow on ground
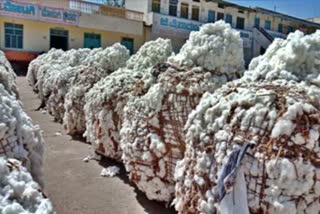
{"points": [[150, 206], [20, 68]]}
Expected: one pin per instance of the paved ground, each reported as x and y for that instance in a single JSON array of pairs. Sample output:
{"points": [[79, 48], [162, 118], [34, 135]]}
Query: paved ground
{"points": [[76, 187]]}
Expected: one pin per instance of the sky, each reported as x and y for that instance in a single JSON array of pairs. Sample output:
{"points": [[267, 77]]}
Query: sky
{"points": [[298, 8]]}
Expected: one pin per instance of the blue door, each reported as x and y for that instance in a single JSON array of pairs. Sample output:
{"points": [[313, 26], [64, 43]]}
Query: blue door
{"points": [[92, 40], [211, 16], [128, 43], [257, 22]]}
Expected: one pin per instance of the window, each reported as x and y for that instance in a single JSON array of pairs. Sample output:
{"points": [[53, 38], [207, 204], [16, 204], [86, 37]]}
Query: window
{"points": [[195, 13], [267, 25], [220, 16], [220, 5], [13, 35], [156, 6], [280, 28], [196, 0], [240, 23], [240, 11], [290, 29], [184, 10], [211, 16], [92, 40], [128, 43], [173, 7], [257, 22], [229, 19]]}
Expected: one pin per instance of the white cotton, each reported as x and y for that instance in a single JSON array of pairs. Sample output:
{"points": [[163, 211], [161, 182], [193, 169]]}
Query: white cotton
{"points": [[283, 127], [19, 138], [102, 64], [7, 75], [281, 119], [295, 58], [106, 100], [18, 192], [110, 171], [214, 47], [155, 120]]}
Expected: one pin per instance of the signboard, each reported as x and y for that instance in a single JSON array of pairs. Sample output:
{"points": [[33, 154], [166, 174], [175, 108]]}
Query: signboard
{"points": [[173, 26], [17, 9], [37, 12], [114, 3], [58, 15]]}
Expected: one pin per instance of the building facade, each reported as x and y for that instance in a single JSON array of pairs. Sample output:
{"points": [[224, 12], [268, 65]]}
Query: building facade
{"points": [[175, 19], [28, 29]]}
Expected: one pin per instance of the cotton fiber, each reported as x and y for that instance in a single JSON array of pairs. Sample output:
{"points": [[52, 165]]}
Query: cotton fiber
{"points": [[215, 47], [104, 103], [7, 76], [96, 68], [281, 120], [19, 193], [295, 58], [152, 136]]}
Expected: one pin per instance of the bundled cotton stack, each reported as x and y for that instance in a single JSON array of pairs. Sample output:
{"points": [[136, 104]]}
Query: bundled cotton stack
{"points": [[296, 58], [106, 100], [34, 66], [19, 138], [152, 137], [280, 174], [18, 192], [7, 75], [52, 70], [103, 64]]}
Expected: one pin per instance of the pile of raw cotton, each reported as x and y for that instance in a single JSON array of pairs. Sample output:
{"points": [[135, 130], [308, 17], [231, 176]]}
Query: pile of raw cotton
{"points": [[34, 66], [296, 58], [96, 68], [152, 137], [52, 70], [19, 193], [252, 148], [7, 75], [106, 100], [19, 138]]}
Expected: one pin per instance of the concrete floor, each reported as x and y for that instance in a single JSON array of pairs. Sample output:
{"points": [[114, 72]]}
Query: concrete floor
{"points": [[76, 187]]}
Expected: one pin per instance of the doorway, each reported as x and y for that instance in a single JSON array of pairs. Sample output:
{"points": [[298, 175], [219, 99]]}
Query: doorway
{"points": [[128, 43], [59, 39]]}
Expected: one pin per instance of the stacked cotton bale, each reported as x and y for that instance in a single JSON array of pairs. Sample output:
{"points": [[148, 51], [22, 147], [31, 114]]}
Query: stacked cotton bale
{"points": [[19, 138], [7, 75], [34, 66], [252, 147], [296, 58], [19, 193], [52, 70], [100, 66], [106, 100], [152, 137], [282, 172]]}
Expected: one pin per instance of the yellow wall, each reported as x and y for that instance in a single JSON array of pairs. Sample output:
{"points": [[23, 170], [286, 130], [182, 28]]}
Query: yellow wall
{"points": [[36, 35]]}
